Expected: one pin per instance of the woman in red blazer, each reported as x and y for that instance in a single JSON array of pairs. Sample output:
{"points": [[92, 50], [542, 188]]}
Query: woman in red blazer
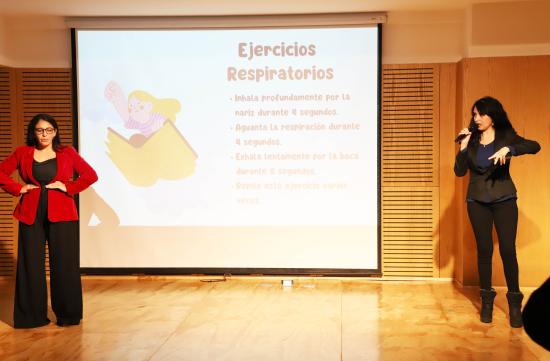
{"points": [[46, 212]]}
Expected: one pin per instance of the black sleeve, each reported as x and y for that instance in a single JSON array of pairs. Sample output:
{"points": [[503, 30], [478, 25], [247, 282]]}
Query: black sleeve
{"points": [[461, 163], [524, 146]]}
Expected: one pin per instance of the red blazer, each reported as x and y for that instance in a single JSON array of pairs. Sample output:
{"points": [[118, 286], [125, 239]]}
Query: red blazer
{"points": [[61, 206]]}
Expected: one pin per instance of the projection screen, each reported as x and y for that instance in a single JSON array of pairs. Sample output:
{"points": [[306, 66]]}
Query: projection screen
{"points": [[230, 150]]}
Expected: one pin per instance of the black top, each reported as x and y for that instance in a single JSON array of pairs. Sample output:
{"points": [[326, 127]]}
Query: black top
{"points": [[44, 171], [493, 183], [484, 151]]}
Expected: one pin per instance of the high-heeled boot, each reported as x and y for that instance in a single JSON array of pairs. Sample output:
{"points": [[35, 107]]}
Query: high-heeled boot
{"points": [[487, 298], [514, 306]]}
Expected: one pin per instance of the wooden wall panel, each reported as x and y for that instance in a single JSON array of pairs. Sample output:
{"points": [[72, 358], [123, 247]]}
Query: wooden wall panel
{"points": [[410, 111], [417, 114], [409, 220], [522, 84], [458, 186], [8, 139], [46, 91], [449, 199], [410, 169]]}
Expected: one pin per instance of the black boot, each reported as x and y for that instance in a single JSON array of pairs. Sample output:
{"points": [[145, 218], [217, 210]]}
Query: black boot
{"points": [[487, 298], [514, 305]]}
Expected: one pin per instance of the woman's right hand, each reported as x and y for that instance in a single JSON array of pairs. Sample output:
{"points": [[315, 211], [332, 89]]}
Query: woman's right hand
{"points": [[113, 92], [27, 187], [466, 139]]}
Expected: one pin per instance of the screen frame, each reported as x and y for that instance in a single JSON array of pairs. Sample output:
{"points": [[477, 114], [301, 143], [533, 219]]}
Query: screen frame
{"points": [[354, 272]]}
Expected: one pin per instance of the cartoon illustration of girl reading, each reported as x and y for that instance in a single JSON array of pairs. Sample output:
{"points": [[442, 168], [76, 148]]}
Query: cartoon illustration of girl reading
{"points": [[141, 110], [158, 151]]}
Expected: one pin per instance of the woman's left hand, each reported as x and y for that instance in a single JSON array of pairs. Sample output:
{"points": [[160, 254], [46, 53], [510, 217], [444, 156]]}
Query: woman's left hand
{"points": [[500, 155], [57, 185]]}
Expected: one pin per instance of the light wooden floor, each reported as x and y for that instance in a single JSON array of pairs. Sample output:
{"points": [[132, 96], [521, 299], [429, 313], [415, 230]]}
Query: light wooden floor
{"points": [[163, 318]]}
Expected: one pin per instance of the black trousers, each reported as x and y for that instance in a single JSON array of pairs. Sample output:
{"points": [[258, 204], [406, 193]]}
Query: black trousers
{"points": [[31, 297], [504, 215]]}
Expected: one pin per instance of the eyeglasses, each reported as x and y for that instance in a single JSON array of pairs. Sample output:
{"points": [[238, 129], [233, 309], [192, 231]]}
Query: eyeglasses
{"points": [[48, 131]]}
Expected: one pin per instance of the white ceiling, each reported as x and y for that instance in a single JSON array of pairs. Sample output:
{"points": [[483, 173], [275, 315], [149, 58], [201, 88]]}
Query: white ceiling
{"points": [[219, 7]]}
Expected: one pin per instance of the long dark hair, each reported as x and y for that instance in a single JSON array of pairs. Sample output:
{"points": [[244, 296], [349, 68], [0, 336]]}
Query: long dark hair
{"points": [[31, 136], [494, 109]]}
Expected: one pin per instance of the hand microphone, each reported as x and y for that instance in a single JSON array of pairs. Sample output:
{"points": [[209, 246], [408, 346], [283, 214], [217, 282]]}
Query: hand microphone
{"points": [[471, 128]]}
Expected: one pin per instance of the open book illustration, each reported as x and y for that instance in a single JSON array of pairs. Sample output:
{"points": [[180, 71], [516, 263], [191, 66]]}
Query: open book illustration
{"points": [[166, 154]]}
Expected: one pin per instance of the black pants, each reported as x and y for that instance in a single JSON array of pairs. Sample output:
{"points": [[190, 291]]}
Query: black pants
{"points": [[31, 297], [504, 215]]}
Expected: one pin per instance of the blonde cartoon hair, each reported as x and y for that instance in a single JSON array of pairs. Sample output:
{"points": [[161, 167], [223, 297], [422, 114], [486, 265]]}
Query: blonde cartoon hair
{"points": [[166, 107]]}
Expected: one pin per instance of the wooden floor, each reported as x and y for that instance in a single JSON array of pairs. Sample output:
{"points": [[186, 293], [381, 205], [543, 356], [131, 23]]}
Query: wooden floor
{"points": [[163, 318]]}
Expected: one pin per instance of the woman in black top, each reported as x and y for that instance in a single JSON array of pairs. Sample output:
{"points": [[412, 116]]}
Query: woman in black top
{"points": [[486, 148]]}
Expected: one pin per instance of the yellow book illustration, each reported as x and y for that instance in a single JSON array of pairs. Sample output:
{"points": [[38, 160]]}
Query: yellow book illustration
{"points": [[143, 161]]}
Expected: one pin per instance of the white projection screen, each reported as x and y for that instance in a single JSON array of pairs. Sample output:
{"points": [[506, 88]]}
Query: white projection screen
{"points": [[230, 150]]}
